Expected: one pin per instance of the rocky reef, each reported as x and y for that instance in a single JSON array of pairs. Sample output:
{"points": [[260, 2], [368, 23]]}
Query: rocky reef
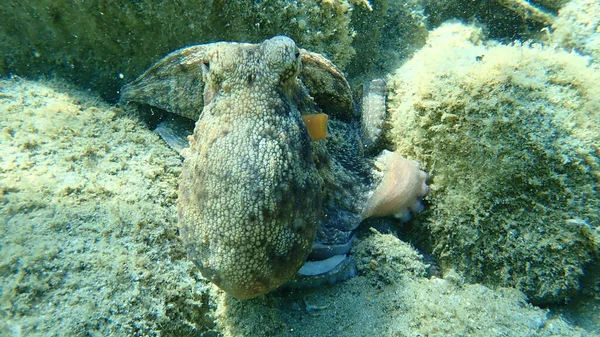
{"points": [[508, 129], [89, 246], [87, 207], [510, 134], [576, 28], [101, 45]]}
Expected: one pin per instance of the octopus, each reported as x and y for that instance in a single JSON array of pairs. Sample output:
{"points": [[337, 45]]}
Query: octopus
{"points": [[280, 169]]}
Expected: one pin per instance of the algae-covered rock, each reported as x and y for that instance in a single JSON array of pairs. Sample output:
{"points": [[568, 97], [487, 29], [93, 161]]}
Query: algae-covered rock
{"points": [[410, 305], [386, 36], [504, 20], [388, 259], [88, 242], [102, 44], [577, 28], [510, 134], [551, 4]]}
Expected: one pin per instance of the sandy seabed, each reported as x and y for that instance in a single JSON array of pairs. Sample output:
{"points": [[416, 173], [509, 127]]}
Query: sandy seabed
{"points": [[89, 247]]}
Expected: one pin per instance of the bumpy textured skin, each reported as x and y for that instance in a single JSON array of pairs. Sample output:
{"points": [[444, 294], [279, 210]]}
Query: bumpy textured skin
{"points": [[254, 189], [250, 193]]}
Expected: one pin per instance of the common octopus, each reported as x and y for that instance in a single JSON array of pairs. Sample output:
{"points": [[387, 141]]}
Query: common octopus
{"points": [[262, 200]]}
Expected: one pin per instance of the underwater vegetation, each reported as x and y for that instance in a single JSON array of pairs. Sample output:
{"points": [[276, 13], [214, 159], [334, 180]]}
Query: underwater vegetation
{"points": [[501, 109], [576, 27], [510, 134], [104, 44]]}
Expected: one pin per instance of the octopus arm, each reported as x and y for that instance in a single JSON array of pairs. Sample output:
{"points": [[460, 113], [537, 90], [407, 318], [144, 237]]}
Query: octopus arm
{"points": [[174, 83]]}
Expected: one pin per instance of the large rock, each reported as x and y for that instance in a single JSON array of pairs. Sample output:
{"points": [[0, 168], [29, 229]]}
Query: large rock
{"points": [[510, 135]]}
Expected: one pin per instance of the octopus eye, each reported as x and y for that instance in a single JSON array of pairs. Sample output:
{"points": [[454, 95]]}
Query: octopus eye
{"points": [[297, 55], [205, 70]]}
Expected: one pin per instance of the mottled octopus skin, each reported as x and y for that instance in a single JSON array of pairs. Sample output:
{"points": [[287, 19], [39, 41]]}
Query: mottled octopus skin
{"points": [[256, 196], [250, 194]]}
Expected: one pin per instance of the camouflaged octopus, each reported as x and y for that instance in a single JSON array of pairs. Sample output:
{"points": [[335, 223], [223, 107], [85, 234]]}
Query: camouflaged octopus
{"points": [[260, 202]]}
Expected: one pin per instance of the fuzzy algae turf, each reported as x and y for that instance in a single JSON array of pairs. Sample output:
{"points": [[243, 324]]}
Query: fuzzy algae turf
{"points": [[576, 27], [88, 239], [510, 134], [88, 246], [104, 44]]}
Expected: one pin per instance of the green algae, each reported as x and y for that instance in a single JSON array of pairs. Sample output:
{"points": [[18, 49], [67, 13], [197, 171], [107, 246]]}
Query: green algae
{"points": [[88, 246], [509, 134], [88, 240], [104, 44], [87, 221]]}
